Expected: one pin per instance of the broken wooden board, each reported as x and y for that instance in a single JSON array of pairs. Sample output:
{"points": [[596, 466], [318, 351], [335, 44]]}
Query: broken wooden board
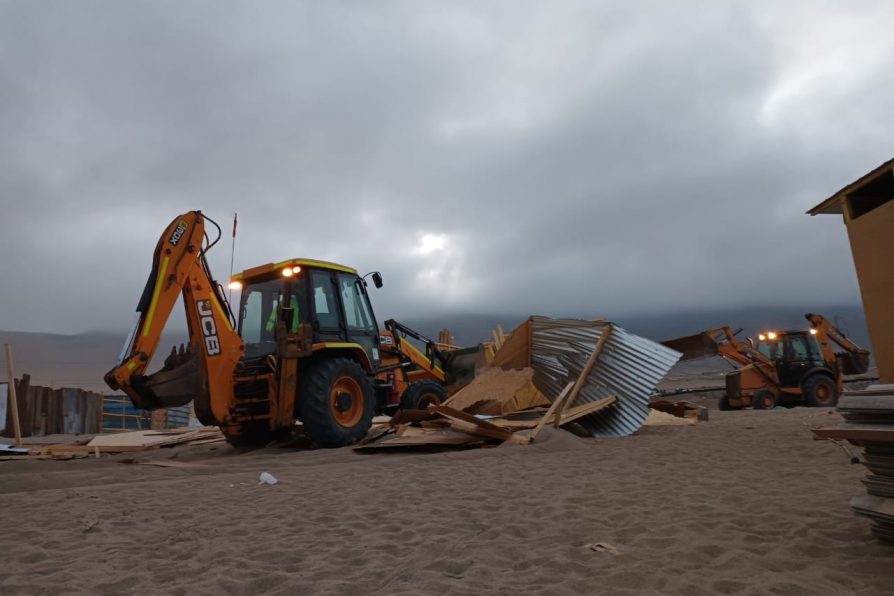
{"points": [[428, 438], [149, 438], [552, 409], [470, 424], [491, 384], [582, 410], [659, 418], [515, 351], [681, 409]]}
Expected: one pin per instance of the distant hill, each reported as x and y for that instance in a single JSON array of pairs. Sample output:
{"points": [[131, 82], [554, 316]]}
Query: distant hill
{"points": [[474, 328], [81, 360], [78, 360]]}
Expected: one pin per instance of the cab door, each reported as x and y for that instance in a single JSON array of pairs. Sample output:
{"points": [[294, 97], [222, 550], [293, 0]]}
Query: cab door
{"points": [[796, 361], [359, 322], [327, 320]]}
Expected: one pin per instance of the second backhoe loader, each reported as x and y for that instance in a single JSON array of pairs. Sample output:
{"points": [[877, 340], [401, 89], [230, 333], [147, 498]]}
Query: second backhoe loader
{"points": [[798, 367], [305, 345]]}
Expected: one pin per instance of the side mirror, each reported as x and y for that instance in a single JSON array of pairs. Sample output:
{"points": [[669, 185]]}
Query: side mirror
{"points": [[377, 279]]}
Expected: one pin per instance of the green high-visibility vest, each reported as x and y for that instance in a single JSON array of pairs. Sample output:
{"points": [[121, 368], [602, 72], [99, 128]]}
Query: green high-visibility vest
{"points": [[271, 321]]}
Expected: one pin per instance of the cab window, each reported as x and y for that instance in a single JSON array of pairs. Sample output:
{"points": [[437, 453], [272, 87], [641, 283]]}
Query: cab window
{"points": [[798, 350], [325, 303], [260, 310], [357, 313]]}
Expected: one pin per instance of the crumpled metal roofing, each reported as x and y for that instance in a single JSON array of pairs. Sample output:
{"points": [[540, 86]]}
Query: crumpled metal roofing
{"points": [[628, 367]]}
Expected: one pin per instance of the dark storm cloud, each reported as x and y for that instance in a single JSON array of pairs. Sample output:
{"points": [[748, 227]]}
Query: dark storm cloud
{"points": [[543, 157]]}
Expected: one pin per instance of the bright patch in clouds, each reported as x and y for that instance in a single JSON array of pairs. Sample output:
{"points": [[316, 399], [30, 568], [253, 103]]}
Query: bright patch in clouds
{"points": [[429, 243]]}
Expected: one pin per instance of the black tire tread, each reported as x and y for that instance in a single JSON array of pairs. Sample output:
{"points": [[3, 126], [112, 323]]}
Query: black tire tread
{"points": [[313, 403], [808, 394], [410, 398]]}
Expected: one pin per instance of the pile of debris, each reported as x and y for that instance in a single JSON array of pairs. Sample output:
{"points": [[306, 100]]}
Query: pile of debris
{"points": [[869, 416], [592, 377]]}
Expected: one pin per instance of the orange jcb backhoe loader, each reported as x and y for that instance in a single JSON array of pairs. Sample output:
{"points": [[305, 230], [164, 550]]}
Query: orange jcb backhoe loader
{"points": [[782, 367], [306, 346]]}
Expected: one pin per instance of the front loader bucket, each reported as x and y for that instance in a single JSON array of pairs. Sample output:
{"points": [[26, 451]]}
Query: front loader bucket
{"points": [[175, 385], [459, 365], [700, 345]]}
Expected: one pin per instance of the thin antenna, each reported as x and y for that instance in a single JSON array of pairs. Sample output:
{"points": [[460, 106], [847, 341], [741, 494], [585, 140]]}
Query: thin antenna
{"points": [[232, 257]]}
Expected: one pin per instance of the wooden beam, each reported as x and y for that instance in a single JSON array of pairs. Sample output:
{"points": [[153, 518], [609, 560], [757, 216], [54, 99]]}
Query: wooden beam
{"points": [[11, 397], [583, 410], [552, 410], [591, 362]]}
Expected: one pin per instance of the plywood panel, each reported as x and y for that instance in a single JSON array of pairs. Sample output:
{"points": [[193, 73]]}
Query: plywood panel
{"points": [[515, 352], [872, 242]]}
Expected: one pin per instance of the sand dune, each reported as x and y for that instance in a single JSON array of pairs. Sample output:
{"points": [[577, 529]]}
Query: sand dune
{"points": [[746, 503]]}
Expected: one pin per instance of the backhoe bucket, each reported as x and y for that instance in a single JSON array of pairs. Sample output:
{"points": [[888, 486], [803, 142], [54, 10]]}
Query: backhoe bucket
{"points": [[177, 384], [853, 363], [700, 345]]}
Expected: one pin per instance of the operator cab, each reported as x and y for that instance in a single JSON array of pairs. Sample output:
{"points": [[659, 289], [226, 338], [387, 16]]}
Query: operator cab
{"points": [[794, 352], [332, 298]]}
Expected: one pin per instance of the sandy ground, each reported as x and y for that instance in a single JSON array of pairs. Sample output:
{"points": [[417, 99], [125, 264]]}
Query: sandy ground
{"points": [[746, 503]]}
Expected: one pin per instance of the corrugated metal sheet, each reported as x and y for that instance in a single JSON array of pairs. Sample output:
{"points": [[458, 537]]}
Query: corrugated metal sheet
{"points": [[628, 368], [119, 415], [45, 411], [177, 417]]}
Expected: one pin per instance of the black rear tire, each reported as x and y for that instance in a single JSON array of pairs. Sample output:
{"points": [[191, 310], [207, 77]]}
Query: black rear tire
{"points": [[421, 394], [723, 404], [335, 402], [819, 391], [764, 399]]}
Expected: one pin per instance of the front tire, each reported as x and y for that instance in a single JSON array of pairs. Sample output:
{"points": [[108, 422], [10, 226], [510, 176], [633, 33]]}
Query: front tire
{"points": [[819, 391], [336, 402], [421, 394], [763, 400]]}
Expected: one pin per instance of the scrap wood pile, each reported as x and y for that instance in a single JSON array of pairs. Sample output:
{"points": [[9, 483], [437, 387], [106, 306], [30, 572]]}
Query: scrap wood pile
{"points": [[869, 423], [443, 425], [126, 443], [590, 376]]}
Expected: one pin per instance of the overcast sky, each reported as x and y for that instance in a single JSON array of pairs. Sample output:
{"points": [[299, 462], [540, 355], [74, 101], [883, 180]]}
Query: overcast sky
{"points": [[550, 157]]}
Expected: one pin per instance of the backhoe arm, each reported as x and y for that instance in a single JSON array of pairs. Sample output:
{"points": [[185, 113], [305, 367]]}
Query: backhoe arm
{"points": [[204, 371], [824, 327], [854, 359]]}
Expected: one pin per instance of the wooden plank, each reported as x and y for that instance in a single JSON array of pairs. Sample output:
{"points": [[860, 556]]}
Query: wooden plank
{"points": [[447, 438], [857, 433], [586, 409], [11, 398], [514, 424], [147, 438], [91, 448], [470, 424], [500, 434], [552, 410], [585, 372], [463, 417]]}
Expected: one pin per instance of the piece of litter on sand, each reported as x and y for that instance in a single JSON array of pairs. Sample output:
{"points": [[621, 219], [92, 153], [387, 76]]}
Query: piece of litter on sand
{"points": [[267, 478], [603, 547], [90, 525]]}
